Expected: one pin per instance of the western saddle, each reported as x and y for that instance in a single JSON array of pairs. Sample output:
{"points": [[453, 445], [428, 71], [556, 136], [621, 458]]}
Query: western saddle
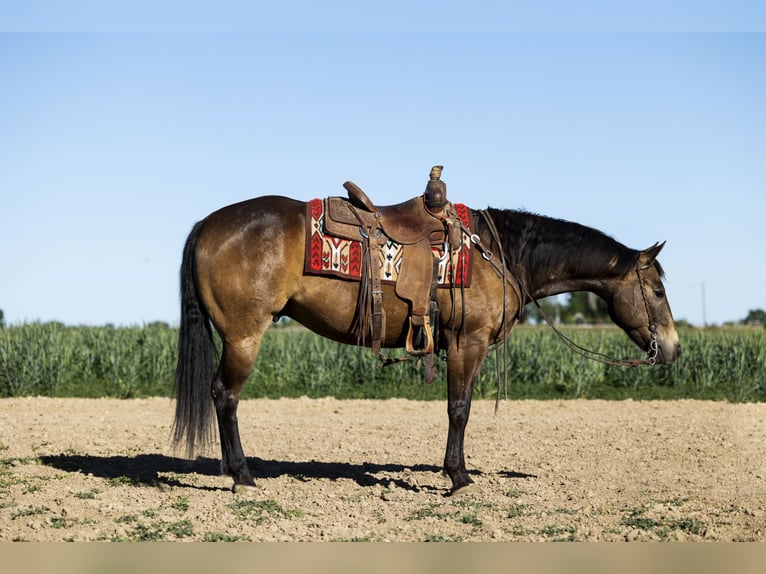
{"points": [[417, 225]]}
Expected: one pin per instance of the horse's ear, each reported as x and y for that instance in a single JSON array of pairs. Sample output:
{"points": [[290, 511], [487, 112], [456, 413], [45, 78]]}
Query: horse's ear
{"points": [[647, 256]]}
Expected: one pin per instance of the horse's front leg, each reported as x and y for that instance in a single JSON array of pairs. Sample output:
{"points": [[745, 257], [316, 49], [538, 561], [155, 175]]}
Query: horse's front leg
{"points": [[462, 367]]}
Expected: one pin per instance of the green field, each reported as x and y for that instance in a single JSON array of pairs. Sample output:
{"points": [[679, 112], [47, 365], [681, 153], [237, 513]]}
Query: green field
{"points": [[50, 359]]}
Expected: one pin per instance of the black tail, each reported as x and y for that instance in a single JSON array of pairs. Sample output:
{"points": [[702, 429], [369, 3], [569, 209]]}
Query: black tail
{"points": [[196, 359]]}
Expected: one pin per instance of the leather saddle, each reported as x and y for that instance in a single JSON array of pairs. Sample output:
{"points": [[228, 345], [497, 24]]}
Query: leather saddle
{"points": [[417, 225], [407, 223]]}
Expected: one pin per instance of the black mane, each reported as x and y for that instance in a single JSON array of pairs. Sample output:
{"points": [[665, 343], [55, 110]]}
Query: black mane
{"points": [[546, 244]]}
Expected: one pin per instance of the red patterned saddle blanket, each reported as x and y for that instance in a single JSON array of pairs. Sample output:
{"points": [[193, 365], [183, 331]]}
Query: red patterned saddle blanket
{"points": [[342, 258]]}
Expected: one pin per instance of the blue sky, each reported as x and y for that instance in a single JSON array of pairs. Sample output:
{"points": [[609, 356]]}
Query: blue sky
{"points": [[113, 145]]}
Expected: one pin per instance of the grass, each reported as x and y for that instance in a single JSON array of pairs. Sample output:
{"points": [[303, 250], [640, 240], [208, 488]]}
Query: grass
{"points": [[51, 359]]}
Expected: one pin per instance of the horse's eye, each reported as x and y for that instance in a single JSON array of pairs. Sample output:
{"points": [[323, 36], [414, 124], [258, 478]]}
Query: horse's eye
{"points": [[659, 293]]}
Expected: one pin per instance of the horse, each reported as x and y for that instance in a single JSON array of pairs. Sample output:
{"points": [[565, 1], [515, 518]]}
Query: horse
{"points": [[243, 268]]}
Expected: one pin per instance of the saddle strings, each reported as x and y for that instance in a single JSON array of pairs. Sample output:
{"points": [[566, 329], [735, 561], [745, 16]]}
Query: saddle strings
{"points": [[504, 322]]}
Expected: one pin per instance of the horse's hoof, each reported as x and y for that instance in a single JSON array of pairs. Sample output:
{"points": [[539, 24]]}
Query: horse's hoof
{"points": [[463, 490], [239, 488]]}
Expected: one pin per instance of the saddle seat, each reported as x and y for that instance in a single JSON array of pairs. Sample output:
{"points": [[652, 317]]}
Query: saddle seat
{"points": [[407, 223]]}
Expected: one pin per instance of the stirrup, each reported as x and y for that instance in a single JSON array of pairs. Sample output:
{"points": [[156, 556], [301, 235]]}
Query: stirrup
{"points": [[429, 346]]}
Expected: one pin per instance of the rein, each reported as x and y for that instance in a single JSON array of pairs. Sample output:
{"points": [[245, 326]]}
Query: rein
{"points": [[502, 269]]}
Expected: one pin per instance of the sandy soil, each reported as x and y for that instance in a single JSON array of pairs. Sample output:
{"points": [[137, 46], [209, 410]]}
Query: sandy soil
{"points": [[332, 470]]}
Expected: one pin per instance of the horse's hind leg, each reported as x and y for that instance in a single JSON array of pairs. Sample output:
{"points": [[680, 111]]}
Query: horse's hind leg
{"points": [[236, 364]]}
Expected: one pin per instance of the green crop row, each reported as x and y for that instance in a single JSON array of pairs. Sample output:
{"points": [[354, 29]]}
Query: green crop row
{"points": [[54, 360]]}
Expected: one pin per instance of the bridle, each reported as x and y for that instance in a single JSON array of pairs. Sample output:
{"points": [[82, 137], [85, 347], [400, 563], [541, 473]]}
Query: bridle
{"points": [[651, 354]]}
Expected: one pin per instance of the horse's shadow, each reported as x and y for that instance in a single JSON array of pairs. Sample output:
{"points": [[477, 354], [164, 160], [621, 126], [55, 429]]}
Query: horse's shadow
{"points": [[158, 469]]}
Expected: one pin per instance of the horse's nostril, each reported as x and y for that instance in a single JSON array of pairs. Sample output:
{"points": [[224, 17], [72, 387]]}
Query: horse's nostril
{"points": [[678, 351]]}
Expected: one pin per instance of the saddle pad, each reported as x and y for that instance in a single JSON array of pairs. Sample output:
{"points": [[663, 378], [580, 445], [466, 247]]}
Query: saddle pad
{"points": [[342, 258]]}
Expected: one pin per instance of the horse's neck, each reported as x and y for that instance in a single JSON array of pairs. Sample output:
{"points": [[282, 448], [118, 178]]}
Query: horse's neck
{"points": [[563, 272]]}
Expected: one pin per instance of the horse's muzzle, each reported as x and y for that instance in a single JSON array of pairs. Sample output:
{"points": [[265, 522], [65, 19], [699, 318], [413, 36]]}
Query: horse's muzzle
{"points": [[668, 355]]}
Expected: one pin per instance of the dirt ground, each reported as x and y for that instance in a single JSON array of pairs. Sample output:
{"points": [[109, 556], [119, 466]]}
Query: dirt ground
{"points": [[330, 470]]}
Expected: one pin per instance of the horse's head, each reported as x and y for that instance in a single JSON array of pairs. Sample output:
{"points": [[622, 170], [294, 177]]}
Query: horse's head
{"points": [[637, 303]]}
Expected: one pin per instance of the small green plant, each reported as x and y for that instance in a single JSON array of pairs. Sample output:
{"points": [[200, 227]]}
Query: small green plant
{"points": [[636, 519], [260, 510], [124, 481], [441, 538], [57, 522], [181, 504], [223, 537], [88, 495], [472, 519], [517, 510], [432, 510], [180, 529], [30, 511], [560, 533], [514, 493], [661, 526], [158, 531]]}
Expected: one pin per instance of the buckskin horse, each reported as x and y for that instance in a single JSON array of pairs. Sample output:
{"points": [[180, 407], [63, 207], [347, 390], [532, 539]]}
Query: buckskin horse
{"points": [[243, 268]]}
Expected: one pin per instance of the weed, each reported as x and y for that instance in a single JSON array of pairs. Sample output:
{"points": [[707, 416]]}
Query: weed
{"points": [[181, 504], [641, 522], [366, 538], [158, 531], [560, 533], [88, 495], [19, 460], [661, 526], [31, 511], [260, 510], [223, 537], [146, 533], [689, 525], [517, 510], [472, 504], [124, 481], [430, 511], [471, 519], [379, 518], [59, 522], [441, 538], [515, 493], [180, 529]]}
